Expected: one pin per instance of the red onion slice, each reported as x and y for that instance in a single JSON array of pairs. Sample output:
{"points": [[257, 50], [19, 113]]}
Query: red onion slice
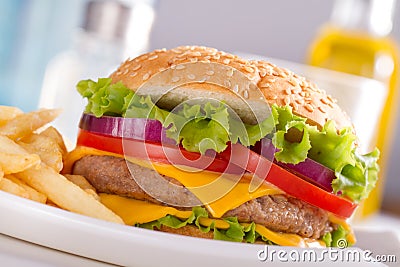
{"points": [[132, 128], [309, 169]]}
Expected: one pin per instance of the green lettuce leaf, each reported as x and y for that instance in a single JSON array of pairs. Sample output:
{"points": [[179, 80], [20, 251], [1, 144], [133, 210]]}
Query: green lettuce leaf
{"points": [[337, 238], [236, 232], [356, 174]]}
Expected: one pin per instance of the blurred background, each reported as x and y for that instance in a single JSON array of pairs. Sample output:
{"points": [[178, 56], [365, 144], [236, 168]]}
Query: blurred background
{"points": [[47, 46]]}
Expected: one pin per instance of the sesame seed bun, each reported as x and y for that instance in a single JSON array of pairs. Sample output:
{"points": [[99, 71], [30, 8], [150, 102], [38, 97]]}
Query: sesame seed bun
{"points": [[277, 85]]}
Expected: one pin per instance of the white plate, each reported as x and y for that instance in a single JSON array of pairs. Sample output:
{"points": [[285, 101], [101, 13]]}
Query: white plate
{"points": [[125, 245]]}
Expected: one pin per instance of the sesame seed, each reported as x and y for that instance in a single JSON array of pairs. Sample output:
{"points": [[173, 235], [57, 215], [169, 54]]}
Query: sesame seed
{"points": [[293, 81], [173, 66], [207, 57], [295, 90], [153, 57], [249, 69], [177, 51], [230, 72], [246, 94], [202, 80], [118, 72], [160, 50], [294, 105], [265, 85], [125, 72], [227, 83], [299, 101], [133, 74], [226, 61], [282, 74], [161, 69], [272, 97], [309, 108], [287, 91], [324, 101], [322, 109], [143, 57], [196, 54], [263, 73], [191, 76], [302, 93], [146, 76], [235, 88], [175, 79], [193, 60], [286, 100], [241, 61], [180, 67], [135, 68], [210, 72], [217, 56]]}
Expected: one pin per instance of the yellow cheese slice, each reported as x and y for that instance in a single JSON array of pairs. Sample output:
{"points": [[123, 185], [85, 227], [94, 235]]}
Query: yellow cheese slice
{"points": [[136, 211], [340, 221], [219, 194]]}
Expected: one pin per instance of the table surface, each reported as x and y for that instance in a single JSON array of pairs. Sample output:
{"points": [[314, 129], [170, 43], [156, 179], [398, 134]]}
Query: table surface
{"points": [[15, 252]]}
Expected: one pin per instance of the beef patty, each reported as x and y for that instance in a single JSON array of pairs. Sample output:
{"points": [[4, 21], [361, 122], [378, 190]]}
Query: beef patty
{"points": [[277, 212]]}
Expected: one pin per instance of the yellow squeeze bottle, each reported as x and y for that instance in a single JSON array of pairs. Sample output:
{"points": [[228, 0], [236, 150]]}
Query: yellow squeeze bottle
{"points": [[357, 41]]}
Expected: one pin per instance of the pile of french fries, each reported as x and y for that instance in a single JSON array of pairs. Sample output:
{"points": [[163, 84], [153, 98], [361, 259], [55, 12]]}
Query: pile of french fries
{"points": [[31, 159]]}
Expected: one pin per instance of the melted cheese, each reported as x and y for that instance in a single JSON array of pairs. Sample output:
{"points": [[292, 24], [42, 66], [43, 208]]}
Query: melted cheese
{"points": [[136, 211], [340, 221], [219, 194]]}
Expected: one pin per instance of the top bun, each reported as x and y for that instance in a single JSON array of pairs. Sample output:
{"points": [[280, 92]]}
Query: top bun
{"points": [[278, 85]]}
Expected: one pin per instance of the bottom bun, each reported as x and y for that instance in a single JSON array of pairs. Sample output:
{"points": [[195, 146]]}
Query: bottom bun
{"points": [[187, 230]]}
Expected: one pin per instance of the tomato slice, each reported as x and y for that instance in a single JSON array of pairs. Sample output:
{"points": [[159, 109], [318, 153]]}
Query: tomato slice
{"points": [[235, 159], [287, 181], [156, 152]]}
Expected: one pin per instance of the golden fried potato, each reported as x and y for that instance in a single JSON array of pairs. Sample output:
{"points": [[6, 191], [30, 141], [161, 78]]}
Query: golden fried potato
{"points": [[32, 193], [8, 113], [47, 149], [14, 158], [66, 194], [54, 134], [26, 123]]}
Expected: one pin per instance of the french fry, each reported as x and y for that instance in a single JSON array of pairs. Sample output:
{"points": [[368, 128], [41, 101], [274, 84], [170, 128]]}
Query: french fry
{"points": [[13, 188], [12, 163], [57, 137], [14, 158], [66, 194], [24, 124], [81, 181], [8, 113], [33, 194], [47, 149]]}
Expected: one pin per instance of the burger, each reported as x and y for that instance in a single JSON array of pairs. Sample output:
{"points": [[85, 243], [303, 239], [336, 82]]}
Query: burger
{"points": [[199, 142]]}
